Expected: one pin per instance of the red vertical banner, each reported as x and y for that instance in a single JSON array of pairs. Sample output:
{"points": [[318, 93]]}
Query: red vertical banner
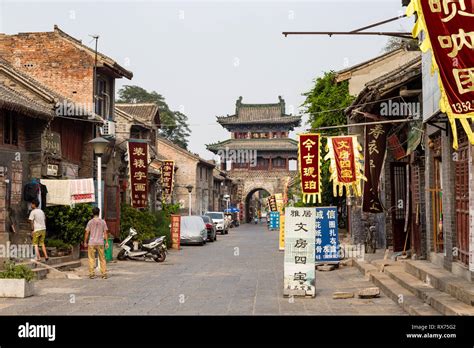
{"points": [[138, 173], [448, 27], [345, 167], [167, 177], [309, 166], [175, 232]]}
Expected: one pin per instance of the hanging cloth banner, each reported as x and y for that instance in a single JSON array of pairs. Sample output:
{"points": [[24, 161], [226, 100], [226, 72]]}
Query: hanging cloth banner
{"points": [[375, 151], [309, 159], [138, 173], [448, 27], [345, 168], [398, 152], [167, 177]]}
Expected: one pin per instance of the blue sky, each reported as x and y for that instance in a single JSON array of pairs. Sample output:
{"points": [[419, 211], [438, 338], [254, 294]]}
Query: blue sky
{"points": [[203, 55]]}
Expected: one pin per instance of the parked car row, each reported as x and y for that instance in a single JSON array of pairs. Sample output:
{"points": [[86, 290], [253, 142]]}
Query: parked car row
{"points": [[197, 229]]}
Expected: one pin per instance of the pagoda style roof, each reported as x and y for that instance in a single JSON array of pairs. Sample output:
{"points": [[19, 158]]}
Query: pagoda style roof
{"points": [[260, 114], [275, 144]]}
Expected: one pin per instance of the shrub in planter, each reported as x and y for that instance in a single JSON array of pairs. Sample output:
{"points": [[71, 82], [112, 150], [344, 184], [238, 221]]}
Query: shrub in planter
{"points": [[59, 245], [67, 224], [16, 281]]}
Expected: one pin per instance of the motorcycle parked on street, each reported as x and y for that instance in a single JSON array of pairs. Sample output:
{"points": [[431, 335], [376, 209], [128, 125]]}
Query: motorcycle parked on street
{"points": [[151, 249]]}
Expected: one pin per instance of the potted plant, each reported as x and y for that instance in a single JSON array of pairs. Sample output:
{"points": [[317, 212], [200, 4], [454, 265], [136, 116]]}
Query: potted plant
{"points": [[16, 281]]}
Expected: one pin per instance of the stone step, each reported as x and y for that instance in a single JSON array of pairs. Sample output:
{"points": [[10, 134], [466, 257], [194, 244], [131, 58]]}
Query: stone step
{"points": [[405, 299], [41, 272], [53, 261], [442, 280], [442, 302]]}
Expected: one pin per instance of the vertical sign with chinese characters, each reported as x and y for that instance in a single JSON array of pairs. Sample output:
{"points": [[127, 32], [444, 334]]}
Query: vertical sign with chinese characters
{"points": [[167, 173], [299, 272], [279, 202], [274, 220], [309, 166], [327, 239], [138, 173], [448, 27], [175, 231], [281, 242], [375, 149], [345, 167], [272, 203]]}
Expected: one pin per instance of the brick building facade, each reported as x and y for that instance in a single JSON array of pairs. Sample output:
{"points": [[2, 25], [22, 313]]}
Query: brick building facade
{"points": [[85, 81], [192, 170]]}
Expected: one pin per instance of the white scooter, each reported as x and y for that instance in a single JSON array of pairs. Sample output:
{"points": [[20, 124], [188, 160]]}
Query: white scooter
{"points": [[152, 249]]}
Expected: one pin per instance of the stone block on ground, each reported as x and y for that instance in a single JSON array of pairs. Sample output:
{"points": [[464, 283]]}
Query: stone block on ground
{"points": [[369, 292], [342, 295], [325, 268]]}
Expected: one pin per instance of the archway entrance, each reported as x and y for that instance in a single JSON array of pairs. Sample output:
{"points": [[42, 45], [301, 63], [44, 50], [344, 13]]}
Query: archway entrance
{"points": [[255, 203]]}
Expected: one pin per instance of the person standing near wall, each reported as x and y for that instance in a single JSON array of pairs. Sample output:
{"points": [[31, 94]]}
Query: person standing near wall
{"points": [[38, 229]]}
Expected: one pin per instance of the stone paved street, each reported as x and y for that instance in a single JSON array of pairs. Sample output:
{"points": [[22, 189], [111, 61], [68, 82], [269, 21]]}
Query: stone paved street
{"points": [[240, 274]]}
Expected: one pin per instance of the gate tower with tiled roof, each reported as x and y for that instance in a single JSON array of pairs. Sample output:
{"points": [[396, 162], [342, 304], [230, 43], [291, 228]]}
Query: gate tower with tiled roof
{"points": [[258, 154]]}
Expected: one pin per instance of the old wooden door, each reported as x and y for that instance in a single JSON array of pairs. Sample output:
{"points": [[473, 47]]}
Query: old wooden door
{"points": [[400, 204], [462, 202], [112, 209]]}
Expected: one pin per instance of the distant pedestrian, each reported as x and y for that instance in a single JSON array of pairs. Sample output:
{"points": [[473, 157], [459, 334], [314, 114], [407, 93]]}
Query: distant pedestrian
{"points": [[38, 229], [96, 233]]}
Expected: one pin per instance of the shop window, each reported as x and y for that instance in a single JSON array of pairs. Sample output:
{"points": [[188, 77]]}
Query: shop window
{"points": [[10, 129]]}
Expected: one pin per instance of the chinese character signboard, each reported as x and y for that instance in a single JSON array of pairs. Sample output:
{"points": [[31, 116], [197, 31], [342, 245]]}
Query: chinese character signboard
{"points": [[272, 204], [167, 173], [279, 202], [175, 231], [138, 171], [309, 166], [448, 28], [51, 143], [299, 273], [274, 220], [375, 149], [345, 168], [281, 241], [327, 240]]}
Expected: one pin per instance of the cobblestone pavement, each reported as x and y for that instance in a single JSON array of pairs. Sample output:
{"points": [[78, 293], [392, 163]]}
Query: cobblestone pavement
{"points": [[240, 274]]}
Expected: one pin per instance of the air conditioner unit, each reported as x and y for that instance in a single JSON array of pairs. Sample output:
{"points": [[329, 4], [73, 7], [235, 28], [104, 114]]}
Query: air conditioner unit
{"points": [[108, 128]]}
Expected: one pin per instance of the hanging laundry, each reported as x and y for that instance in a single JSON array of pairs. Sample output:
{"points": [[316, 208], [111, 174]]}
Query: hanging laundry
{"points": [[31, 190], [82, 191], [59, 191]]}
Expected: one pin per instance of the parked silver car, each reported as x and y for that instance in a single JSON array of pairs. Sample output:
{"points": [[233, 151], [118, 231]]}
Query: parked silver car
{"points": [[193, 230]]}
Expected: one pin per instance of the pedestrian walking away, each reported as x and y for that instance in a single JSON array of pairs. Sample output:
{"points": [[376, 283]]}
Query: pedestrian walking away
{"points": [[96, 233], [38, 229]]}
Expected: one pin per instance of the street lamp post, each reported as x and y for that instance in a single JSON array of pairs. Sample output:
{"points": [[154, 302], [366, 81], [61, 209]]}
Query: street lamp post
{"points": [[99, 144], [227, 200], [190, 189]]}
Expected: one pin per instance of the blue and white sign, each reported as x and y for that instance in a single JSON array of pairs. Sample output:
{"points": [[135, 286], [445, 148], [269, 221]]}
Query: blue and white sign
{"points": [[327, 239], [274, 220]]}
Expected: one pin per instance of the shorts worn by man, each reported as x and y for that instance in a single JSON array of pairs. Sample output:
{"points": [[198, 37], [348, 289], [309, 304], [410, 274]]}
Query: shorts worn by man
{"points": [[96, 233]]}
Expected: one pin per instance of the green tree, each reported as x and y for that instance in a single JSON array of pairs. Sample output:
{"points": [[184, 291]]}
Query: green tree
{"points": [[325, 104], [174, 124]]}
